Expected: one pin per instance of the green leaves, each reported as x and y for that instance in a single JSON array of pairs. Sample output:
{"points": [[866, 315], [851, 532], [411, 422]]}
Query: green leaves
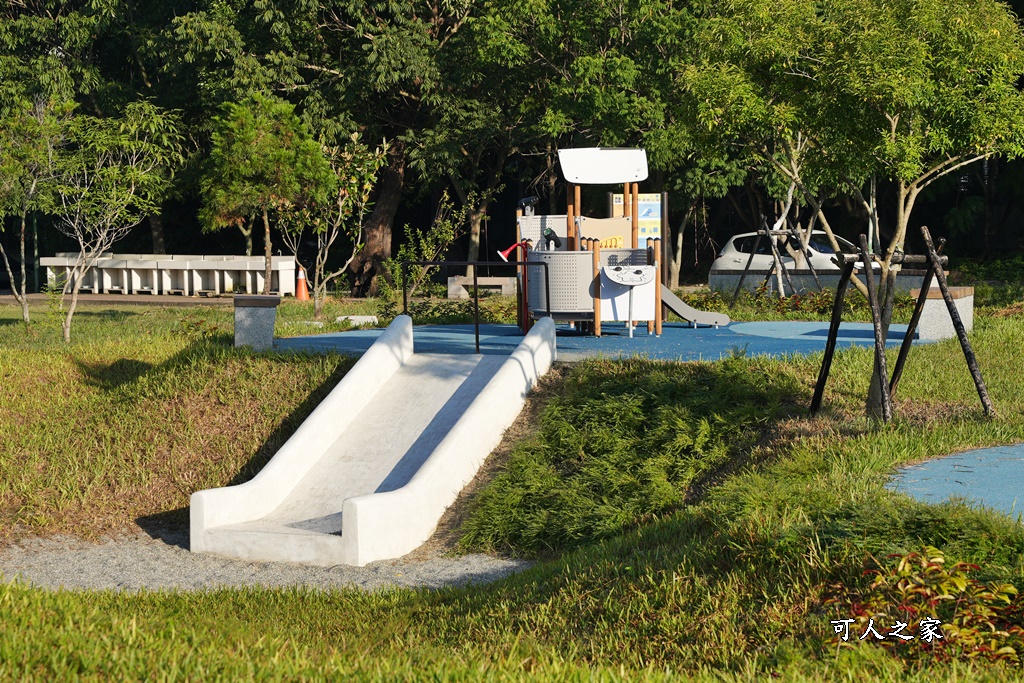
{"points": [[262, 159]]}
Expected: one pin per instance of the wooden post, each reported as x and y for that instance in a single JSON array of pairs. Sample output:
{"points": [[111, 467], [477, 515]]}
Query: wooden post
{"points": [[570, 214], [908, 338], [958, 325], [586, 326], [783, 271], [597, 288], [651, 261], [577, 202], [876, 321], [627, 202], [659, 265], [746, 269], [636, 215], [833, 333]]}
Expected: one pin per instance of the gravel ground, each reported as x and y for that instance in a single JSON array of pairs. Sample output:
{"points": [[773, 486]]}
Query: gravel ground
{"points": [[141, 562]]}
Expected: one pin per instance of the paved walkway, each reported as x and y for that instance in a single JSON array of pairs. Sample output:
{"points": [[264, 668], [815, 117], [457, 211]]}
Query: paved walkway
{"points": [[989, 476], [679, 341]]}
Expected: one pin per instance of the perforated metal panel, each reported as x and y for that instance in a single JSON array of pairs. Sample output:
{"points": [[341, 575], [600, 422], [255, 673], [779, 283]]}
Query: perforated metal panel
{"points": [[531, 227], [571, 279], [623, 257]]}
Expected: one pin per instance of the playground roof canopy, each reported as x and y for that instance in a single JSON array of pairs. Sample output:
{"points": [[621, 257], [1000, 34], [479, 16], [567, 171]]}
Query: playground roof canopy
{"points": [[603, 165]]}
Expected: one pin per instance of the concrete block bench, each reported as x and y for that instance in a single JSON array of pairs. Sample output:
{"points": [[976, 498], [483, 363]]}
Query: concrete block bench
{"points": [[185, 274], [255, 316], [935, 321], [457, 285]]}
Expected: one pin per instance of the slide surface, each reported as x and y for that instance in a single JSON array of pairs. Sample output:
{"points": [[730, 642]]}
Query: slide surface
{"points": [[687, 312], [370, 472]]}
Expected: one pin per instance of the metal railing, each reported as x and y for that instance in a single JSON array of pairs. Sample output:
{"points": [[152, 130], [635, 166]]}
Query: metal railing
{"points": [[476, 289]]}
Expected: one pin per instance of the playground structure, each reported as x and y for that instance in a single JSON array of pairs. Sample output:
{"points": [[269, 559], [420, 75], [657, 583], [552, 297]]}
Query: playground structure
{"points": [[368, 475], [597, 269]]}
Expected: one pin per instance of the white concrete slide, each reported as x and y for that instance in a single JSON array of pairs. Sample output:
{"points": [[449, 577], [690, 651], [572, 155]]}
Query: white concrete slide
{"points": [[371, 471]]}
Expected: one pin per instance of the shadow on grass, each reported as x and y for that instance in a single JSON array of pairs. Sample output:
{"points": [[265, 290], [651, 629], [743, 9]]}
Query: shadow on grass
{"points": [[113, 315], [114, 375], [172, 526], [625, 441]]}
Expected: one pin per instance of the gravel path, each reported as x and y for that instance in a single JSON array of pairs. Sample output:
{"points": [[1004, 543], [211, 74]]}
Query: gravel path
{"points": [[141, 562]]}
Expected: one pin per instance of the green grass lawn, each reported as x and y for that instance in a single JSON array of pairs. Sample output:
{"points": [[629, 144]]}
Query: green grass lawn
{"points": [[690, 520]]}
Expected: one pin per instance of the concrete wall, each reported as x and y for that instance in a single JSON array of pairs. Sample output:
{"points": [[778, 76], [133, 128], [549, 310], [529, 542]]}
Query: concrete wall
{"points": [[263, 493], [386, 525]]}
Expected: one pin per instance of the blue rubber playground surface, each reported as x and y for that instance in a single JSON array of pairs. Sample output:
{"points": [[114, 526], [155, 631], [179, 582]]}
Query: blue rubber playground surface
{"points": [[679, 341], [989, 476]]}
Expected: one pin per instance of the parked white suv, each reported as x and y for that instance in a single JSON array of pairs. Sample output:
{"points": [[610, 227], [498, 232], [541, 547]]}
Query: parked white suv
{"points": [[736, 252]]}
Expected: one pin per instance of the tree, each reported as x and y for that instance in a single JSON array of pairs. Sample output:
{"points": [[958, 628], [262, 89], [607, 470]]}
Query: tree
{"points": [[849, 91], [355, 169], [28, 167], [377, 64], [262, 160], [111, 174], [929, 88]]}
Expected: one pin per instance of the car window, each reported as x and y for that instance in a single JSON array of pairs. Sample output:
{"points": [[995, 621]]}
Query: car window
{"points": [[821, 246], [746, 245]]}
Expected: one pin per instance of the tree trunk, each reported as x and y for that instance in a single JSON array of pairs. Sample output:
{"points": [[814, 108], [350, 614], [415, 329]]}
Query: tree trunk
{"points": [[66, 324], [887, 285], [24, 279], [20, 296], [156, 230], [246, 230], [267, 253], [366, 266]]}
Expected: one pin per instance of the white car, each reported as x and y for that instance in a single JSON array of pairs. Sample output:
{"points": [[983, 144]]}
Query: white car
{"points": [[736, 253]]}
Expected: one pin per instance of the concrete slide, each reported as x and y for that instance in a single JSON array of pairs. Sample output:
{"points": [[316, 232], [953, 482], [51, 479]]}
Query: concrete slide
{"points": [[686, 312], [369, 473]]}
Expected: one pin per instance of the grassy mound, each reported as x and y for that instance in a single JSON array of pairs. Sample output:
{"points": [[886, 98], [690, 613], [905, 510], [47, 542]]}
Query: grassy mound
{"points": [[696, 523]]}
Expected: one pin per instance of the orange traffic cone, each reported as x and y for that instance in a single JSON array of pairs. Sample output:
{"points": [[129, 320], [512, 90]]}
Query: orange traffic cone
{"points": [[301, 291]]}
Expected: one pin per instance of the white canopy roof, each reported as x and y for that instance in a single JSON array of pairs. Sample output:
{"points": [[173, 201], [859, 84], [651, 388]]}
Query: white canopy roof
{"points": [[603, 165]]}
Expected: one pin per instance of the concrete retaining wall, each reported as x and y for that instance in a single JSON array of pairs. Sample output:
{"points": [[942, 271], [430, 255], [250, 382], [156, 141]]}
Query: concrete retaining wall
{"points": [[724, 281]]}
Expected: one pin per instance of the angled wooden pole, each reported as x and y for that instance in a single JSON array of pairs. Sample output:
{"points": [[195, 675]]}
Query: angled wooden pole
{"points": [[915, 319], [833, 334], [958, 324], [746, 269]]}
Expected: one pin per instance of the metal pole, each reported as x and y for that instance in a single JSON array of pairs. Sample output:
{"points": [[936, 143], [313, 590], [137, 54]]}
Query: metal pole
{"points": [[405, 288], [476, 310]]}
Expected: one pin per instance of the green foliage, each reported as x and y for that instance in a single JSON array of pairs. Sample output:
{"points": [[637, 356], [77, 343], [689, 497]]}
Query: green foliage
{"points": [[262, 159], [979, 620], [728, 586], [624, 441], [431, 244]]}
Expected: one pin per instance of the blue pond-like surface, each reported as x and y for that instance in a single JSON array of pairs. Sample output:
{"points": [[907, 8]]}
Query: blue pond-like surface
{"points": [[678, 341], [991, 477]]}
